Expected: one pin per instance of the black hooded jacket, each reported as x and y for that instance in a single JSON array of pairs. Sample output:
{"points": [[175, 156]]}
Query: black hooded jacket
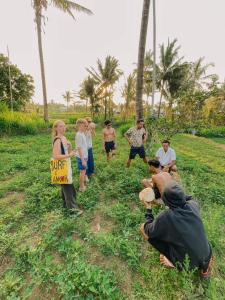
{"points": [[178, 231]]}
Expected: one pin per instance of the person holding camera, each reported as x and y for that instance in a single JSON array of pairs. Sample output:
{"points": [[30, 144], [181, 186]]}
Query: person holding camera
{"points": [[178, 232]]}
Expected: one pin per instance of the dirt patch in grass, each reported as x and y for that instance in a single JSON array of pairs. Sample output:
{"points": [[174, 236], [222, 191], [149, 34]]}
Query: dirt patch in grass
{"points": [[39, 293], [33, 240], [5, 263], [100, 224], [221, 146], [76, 237], [12, 198]]}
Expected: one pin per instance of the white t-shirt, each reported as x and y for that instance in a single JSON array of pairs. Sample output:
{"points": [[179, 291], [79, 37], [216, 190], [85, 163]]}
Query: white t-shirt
{"points": [[81, 142], [166, 158], [89, 139]]}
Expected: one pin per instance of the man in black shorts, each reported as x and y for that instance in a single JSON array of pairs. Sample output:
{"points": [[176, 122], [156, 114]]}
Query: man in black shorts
{"points": [[109, 139], [136, 136]]}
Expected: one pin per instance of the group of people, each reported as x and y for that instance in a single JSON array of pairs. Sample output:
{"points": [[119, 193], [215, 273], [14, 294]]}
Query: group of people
{"points": [[177, 232]]}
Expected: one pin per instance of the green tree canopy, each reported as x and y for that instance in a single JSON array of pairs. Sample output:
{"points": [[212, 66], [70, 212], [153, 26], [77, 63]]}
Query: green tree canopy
{"points": [[22, 85]]}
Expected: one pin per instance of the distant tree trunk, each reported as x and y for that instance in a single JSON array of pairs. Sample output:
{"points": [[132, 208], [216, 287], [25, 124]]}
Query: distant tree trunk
{"points": [[160, 101], [171, 109], [105, 107], [38, 23], [154, 57], [141, 55], [86, 105]]}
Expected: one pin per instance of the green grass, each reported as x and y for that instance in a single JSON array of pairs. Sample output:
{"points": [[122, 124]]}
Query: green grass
{"points": [[100, 255]]}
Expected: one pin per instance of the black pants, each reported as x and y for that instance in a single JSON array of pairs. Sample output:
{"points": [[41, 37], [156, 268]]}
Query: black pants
{"points": [[68, 193], [164, 249]]}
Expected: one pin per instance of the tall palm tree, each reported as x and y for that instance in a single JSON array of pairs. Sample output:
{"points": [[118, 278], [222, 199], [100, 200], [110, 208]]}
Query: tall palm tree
{"points": [[67, 97], [169, 60], [154, 56], [128, 92], [106, 75], [141, 55], [39, 7]]}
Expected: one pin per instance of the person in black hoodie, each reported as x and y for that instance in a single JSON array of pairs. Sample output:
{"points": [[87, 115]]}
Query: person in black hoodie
{"points": [[178, 232]]}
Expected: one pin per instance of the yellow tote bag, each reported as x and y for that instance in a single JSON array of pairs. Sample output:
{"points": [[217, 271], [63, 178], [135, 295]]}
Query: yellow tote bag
{"points": [[59, 171]]}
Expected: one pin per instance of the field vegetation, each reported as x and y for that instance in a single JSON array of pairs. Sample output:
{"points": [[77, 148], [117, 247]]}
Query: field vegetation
{"points": [[45, 254]]}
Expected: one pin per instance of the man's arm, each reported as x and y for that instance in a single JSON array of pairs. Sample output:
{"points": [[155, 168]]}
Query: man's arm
{"points": [[80, 152], [173, 159], [114, 135], [56, 152], [127, 136], [146, 136], [171, 164], [145, 226], [103, 139]]}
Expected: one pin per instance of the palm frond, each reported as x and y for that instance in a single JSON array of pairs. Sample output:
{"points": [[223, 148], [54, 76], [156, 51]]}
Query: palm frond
{"points": [[68, 7]]}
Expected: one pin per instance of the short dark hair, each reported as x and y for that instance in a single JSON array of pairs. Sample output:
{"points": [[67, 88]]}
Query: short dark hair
{"points": [[155, 163], [107, 122], [166, 142], [140, 121]]}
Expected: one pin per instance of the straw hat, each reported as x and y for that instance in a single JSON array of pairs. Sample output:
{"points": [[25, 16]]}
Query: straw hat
{"points": [[147, 195]]}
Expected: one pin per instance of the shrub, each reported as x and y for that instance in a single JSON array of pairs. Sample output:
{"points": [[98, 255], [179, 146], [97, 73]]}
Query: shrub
{"points": [[72, 120], [212, 132], [124, 128], [20, 123]]}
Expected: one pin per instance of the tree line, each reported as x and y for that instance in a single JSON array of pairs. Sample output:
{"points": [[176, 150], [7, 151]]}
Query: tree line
{"points": [[186, 90]]}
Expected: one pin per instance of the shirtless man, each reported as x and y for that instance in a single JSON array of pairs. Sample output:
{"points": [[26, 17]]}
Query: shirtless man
{"points": [[109, 139], [159, 180]]}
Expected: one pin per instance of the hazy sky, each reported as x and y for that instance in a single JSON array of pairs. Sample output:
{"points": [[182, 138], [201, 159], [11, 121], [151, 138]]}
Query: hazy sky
{"points": [[71, 46]]}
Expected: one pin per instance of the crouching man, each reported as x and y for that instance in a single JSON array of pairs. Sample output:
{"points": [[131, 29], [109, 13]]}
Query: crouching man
{"points": [[167, 157], [178, 232]]}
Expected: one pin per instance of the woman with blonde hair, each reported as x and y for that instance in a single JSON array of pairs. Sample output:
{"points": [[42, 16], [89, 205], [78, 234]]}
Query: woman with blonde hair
{"points": [[62, 149]]}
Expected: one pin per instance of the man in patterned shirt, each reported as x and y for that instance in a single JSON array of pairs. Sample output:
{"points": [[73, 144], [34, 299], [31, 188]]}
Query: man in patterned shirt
{"points": [[136, 137]]}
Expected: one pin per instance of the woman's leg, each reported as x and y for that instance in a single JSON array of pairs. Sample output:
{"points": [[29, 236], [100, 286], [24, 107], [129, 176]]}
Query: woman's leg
{"points": [[82, 179], [90, 162], [63, 197], [69, 193]]}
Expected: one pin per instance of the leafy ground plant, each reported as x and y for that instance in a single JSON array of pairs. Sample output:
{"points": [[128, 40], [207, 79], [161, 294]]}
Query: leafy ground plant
{"points": [[45, 254]]}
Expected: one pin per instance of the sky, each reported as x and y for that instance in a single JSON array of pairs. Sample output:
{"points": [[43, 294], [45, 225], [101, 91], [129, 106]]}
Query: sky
{"points": [[72, 46]]}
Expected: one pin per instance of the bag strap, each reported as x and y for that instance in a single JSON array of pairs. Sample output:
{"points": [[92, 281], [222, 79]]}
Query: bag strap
{"points": [[62, 147]]}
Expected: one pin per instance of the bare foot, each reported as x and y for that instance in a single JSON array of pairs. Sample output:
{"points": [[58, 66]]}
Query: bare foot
{"points": [[165, 262]]}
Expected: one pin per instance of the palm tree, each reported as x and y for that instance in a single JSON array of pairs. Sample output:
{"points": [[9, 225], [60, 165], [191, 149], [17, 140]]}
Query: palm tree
{"points": [[90, 91], [106, 76], [141, 55], [128, 92], [67, 97], [198, 76], [169, 61], [39, 7]]}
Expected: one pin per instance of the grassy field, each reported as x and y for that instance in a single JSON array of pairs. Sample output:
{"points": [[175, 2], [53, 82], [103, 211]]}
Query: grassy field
{"points": [[47, 255]]}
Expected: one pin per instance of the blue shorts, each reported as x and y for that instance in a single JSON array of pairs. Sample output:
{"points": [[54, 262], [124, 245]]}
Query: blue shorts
{"points": [[79, 163]]}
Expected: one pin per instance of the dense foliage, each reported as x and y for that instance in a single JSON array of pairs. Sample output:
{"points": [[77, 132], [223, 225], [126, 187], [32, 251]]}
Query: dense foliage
{"points": [[22, 85], [17, 123]]}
